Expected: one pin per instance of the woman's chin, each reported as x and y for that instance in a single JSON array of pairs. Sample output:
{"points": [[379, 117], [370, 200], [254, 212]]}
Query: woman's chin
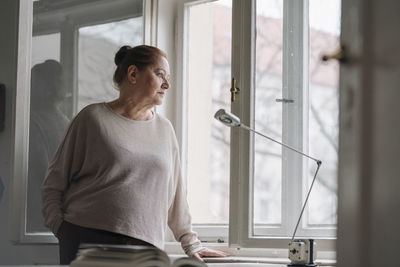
{"points": [[159, 100]]}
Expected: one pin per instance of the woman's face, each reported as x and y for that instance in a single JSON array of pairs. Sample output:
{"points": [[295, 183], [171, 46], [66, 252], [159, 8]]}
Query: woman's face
{"points": [[152, 82]]}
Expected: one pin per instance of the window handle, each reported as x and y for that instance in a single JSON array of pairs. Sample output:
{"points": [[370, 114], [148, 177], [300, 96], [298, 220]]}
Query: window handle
{"points": [[234, 90], [284, 100], [339, 54]]}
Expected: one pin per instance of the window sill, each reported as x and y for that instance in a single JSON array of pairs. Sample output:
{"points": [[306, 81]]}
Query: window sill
{"points": [[251, 255]]}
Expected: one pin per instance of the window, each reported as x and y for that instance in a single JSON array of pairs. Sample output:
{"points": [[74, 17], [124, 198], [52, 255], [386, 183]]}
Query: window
{"points": [[68, 70], [41, 141], [95, 71], [208, 75], [286, 92]]}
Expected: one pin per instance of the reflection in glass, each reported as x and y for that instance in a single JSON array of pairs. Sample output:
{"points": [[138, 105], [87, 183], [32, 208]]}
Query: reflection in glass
{"points": [[45, 47], [72, 66], [97, 47], [46, 129]]}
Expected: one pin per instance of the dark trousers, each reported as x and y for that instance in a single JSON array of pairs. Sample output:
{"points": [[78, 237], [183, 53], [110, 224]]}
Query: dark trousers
{"points": [[70, 236]]}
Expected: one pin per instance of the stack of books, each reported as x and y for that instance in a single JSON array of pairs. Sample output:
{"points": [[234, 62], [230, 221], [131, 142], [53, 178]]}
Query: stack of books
{"points": [[100, 255]]}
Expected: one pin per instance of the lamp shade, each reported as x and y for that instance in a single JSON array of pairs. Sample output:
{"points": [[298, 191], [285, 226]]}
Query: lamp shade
{"points": [[227, 118]]}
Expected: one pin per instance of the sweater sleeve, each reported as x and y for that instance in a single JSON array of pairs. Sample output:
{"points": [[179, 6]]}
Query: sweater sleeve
{"points": [[179, 218], [65, 164]]}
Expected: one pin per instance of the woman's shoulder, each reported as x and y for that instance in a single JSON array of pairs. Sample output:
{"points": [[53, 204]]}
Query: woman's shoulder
{"points": [[164, 121], [90, 110], [92, 107], [86, 116]]}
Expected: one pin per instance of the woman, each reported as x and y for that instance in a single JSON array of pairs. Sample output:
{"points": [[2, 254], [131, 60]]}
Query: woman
{"points": [[116, 176]]}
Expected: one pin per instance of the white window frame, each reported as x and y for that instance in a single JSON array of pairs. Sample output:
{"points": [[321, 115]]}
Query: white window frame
{"points": [[126, 9], [295, 86]]}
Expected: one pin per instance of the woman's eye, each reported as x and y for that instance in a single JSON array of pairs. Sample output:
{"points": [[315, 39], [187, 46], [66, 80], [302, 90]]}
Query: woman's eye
{"points": [[160, 75]]}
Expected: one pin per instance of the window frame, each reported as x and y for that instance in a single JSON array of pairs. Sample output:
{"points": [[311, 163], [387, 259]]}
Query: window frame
{"points": [[296, 40], [295, 86], [21, 115]]}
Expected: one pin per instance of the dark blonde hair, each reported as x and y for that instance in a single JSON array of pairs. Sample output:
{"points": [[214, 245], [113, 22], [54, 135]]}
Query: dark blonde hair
{"points": [[141, 56]]}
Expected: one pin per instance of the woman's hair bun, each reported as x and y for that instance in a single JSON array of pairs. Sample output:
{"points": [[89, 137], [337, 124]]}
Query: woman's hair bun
{"points": [[140, 56], [120, 55]]}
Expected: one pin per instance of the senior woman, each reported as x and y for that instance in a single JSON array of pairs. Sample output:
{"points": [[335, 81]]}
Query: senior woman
{"points": [[116, 178]]}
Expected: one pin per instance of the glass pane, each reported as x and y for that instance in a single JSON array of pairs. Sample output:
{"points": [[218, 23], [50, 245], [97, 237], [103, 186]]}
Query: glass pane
{"points": [[208, 83], [45, 47], [54, 95], [47, 120], [268, 114], [97, 47], [324, 110]]}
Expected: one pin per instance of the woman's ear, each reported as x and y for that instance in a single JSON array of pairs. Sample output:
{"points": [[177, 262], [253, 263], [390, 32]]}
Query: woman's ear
{"points": [[132, 74]]}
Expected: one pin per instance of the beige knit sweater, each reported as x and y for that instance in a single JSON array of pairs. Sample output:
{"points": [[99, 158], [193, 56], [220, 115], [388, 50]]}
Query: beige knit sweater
{"points": [[119, 175]]}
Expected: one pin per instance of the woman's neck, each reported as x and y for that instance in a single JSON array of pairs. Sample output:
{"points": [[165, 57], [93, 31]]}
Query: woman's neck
{"points": [[132, 109]]}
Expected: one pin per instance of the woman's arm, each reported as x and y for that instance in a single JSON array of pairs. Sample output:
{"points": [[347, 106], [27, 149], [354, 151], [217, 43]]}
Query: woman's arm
{"points": [[179, 218]]}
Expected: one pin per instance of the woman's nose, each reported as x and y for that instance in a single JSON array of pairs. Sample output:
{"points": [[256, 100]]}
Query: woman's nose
{"points": [[165, 84]]}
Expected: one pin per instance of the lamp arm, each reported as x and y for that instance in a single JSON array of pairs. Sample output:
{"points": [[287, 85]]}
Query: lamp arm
{"points": [[282, 144], [295, 150], [305, 202]]}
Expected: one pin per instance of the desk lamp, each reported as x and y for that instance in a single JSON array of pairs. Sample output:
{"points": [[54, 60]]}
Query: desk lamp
{"points": [[301, 251]]}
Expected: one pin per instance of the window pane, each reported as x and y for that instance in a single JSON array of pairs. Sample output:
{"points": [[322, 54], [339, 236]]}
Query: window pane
{"points": [[268, 114], [47, 120], [45, 47], [97, 47], [53, 92], [324, 110], [208, 83]]}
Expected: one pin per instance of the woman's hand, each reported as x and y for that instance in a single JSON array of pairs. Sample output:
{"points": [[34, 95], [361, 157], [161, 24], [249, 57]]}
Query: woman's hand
{"points": [[208, 252]]}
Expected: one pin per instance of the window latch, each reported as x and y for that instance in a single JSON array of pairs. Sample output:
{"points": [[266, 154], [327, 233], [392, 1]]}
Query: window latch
{"points": [[234, 90], [284, 100]]}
